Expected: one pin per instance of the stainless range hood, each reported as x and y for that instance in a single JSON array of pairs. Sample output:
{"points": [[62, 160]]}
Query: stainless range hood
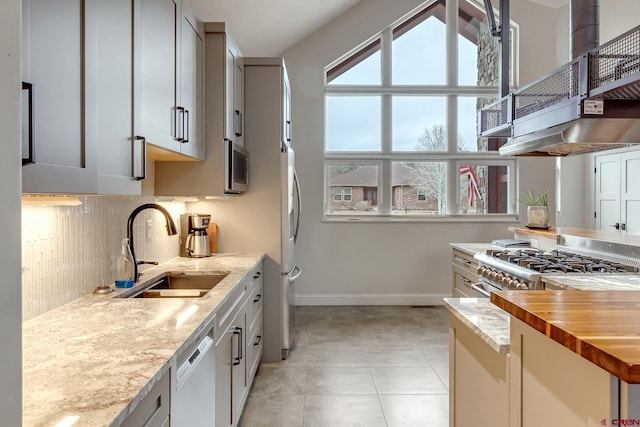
{"points": [[590, 104]]}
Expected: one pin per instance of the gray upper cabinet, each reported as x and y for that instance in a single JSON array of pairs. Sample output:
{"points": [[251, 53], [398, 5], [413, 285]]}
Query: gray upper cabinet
{"points": [[191, 85], [101, 80], [121, 156], [224, 96], [170, 78], [155, 79], [58, 61]]}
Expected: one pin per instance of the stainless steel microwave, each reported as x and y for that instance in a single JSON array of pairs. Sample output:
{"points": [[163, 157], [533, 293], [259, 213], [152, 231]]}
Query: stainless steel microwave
{"points": [[236, 174]]}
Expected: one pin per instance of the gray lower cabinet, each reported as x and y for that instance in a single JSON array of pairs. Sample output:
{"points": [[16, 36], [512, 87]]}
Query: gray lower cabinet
{"points": [[238, 348], [153, 410], [464, 275], [255, 310]]}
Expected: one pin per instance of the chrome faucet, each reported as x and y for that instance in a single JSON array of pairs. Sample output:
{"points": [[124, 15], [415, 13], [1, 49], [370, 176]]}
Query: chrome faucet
{"points": [[171, 231]]}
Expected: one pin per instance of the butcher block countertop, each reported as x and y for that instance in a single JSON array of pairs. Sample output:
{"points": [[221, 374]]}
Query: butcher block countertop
{"points": [[552, 233], [600, 326]]}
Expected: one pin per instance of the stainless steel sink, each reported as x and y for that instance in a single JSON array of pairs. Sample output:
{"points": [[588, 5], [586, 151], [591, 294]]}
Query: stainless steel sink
{"points": [[177, 285]]}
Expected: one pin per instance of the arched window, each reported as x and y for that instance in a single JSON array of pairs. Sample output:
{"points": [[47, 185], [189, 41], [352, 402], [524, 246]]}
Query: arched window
{"points": [[400, 119]]}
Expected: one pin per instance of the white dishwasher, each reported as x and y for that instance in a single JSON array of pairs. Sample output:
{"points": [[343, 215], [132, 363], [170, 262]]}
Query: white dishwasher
{"points": [[193, 394]]}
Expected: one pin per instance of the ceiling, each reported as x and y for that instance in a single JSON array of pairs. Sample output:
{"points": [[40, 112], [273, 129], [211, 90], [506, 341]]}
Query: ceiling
{"points": [[268, 27]]}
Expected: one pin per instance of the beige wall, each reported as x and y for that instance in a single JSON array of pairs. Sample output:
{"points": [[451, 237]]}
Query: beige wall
{"points": [[378, 263], [10, 322]]}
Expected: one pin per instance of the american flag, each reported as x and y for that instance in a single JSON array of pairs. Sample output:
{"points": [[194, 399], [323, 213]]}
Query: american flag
{"points": [[472, 183]]}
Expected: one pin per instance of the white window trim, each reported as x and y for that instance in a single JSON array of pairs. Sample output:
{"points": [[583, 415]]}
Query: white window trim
{"points": [[386, 156]]}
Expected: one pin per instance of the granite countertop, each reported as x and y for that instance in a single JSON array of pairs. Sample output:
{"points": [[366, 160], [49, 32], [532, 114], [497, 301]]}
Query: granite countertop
{"points": [[92, 360], [474, 248], [601, 326], [594, 282], [489, 322]]}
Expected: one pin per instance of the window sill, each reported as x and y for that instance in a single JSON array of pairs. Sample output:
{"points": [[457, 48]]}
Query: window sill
{"points": [[409, 218]]}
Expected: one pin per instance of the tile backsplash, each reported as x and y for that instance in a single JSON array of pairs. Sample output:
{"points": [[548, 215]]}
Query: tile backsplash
{"points": [[67, 251]]}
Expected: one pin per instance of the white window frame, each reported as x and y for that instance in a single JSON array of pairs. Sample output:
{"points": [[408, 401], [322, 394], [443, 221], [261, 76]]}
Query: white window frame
{"points": [[452, 91], [344, 194]]}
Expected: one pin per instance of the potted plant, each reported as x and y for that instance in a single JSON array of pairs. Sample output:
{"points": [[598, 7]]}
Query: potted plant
{"points": [[537, 208]]}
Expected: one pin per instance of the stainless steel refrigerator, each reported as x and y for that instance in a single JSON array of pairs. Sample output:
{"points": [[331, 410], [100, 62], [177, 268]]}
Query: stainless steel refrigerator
{"points": [[290, 271], [270, 210]]}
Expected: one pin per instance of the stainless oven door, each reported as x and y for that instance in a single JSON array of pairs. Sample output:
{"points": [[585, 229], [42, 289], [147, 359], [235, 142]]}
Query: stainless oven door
{"points": [[484, 288]]}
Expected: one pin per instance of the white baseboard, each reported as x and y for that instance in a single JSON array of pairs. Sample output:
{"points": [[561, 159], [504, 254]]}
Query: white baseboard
{"points": [[380, 299]]}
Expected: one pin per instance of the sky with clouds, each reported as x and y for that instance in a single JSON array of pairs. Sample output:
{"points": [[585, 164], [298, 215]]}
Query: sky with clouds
{"points": [[353, 122]]}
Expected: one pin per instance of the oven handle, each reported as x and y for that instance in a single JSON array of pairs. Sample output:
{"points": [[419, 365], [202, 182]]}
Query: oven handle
{"points": [[478, 288]]}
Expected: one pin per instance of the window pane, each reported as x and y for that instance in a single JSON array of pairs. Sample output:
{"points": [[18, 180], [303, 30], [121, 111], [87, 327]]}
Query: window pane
{"points": [[484, 189], [419, 49], [357, 183], [361, 68], [477, 48], [353, 123], [410, 180], [419, 123]]}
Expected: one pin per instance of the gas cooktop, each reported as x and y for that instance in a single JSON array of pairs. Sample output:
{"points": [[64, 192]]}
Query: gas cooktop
{"points": [[560, 262]]}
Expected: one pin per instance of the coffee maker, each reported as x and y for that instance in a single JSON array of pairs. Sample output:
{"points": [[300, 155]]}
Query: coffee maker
{"points": [[194, 241]]}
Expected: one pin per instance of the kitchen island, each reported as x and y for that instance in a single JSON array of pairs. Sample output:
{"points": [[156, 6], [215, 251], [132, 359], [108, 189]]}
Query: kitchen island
{"points": [[91, 361], [574, 353], [478, 363]]}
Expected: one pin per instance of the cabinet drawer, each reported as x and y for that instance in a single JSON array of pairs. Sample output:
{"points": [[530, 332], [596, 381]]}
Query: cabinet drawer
{"points": [[464, 260], [229, 309], [463, 284], [255, 303], [153, 411], [254, 347]]}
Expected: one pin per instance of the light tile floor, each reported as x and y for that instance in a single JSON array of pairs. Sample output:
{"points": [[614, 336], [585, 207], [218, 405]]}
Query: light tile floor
{"points": [[358, 366]]}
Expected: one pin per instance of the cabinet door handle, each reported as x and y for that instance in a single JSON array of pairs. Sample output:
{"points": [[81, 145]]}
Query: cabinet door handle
{"points": [[467, 262], [616, 226], [30, 155], [289, 130], [465, 280], [258, 296], [185, 125], [141, 174], [258, 339], [238, 131], [258, 274], [238, 331], [478, 288], [179, 121]]}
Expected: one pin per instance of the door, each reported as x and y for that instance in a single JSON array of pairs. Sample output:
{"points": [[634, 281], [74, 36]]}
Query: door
{"points": [[156, 74], [191, 85], [223, 380], [230, 65], [618, 192], [117, 149], [61, 72], [630, 191], [607, 187], [239, 386], [238, 100]]}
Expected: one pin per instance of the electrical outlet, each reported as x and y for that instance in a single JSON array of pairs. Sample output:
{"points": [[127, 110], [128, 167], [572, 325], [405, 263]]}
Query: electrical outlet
{"points": [[147, 231]]}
